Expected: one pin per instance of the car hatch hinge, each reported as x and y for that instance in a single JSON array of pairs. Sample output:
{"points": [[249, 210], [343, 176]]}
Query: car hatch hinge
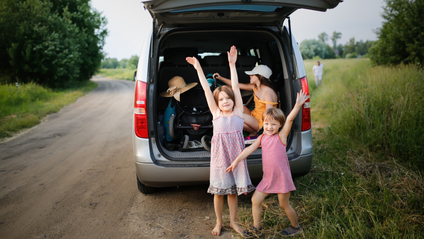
{"points": [[160, 28], [280, 27]]}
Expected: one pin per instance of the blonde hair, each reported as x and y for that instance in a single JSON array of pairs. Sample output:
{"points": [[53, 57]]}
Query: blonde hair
{"points": [[225, 89], [274, 114]]}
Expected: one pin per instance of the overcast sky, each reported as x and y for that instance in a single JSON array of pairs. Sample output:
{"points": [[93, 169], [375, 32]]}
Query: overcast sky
{"points": [[128, 21]]}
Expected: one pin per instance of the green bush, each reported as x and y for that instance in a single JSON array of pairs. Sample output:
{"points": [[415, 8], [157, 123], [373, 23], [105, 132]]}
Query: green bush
{"points": [[52, 43], [401, 38], [351, 55]]}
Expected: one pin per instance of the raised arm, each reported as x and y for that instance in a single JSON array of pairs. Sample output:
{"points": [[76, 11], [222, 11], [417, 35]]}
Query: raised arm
{"points": [[205, 85], [228, 82], [232, 58], [300, 100], [246, 152]]}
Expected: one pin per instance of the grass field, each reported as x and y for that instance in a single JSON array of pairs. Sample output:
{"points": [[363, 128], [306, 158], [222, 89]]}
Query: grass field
{"points": [[366, 179], [119, 74], [25, 106]]}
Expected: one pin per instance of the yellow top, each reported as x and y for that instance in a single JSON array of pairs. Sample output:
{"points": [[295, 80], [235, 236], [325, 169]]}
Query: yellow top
{"points": [[260, 107]]}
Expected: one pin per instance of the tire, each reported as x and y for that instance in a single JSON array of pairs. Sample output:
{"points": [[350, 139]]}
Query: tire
{"points": [[143, 188]]}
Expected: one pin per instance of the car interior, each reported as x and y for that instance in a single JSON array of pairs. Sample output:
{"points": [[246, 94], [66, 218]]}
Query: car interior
{"points": [[210, 47]]}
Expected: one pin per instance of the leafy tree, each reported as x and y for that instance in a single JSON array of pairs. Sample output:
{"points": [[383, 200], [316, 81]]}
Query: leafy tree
{"points": [[329, 53], [336, 36], [92, 31], [110, 63], [52, 43], [356, 49], [37, 45], [340, 50], [323, 37], [401, 38], [312, 48], [132, 62], [362, 47], [123, 63], [349, 47]]}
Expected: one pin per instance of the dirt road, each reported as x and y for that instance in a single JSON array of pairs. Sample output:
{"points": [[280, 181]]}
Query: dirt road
{"points": [[73, 176]]}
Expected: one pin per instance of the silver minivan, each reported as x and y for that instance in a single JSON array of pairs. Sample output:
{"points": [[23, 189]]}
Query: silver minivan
{"points": [[171, 138]]}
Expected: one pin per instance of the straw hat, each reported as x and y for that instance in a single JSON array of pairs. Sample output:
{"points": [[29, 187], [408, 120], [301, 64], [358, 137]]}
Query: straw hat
{"points": [[177, 86]]}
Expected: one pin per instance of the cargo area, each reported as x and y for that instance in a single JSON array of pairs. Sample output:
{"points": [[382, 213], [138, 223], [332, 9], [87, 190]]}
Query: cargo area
{"points": [[184, 128]]}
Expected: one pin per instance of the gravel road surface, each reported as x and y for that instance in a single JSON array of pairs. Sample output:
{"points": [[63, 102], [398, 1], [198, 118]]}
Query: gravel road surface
{"points": [[73, 176]]}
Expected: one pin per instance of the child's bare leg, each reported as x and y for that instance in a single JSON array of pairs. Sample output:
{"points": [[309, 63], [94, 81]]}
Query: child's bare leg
{"points": [[251, 124], [247, 128], [246, 110], [232, 204], [257, 199], [218, 203], [283, 199]]}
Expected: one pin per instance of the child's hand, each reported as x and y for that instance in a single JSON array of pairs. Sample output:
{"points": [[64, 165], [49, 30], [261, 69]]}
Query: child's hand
{"points": [[232, 167], [216, 75], [232, 55], [193, 61], [301, 97]]}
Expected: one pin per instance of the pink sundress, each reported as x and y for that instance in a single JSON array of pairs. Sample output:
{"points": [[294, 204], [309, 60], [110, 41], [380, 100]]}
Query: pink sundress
{"points": [[227, 144]]}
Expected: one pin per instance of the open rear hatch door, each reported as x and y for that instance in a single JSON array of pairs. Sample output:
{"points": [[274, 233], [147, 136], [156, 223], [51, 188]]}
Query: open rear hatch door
{"points": [[263, 12]]}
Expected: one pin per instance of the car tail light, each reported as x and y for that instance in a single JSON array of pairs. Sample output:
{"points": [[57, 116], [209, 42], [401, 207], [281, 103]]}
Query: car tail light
{"points": [[306, 108], [140, 116]]}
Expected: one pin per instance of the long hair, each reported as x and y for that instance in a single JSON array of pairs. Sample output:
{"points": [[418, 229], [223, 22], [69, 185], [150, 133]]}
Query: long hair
{"points": [[266, 82], [227, 90]]}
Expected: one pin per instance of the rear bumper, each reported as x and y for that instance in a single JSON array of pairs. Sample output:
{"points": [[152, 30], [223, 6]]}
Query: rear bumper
{"points": [[154, 175], [166, 173]]}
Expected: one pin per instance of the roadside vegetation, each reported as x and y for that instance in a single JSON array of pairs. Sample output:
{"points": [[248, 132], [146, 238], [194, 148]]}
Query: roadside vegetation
{"points": [[51, 49], [51, 43], [119, 73], [366, 179], [25, 106]]}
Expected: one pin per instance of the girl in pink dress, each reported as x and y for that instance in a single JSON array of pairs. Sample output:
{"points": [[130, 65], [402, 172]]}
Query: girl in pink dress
{"points": [[276, 169], [226, 106]]}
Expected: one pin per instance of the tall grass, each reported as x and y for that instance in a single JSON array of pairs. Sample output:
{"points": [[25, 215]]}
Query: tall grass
{"points": [[385, 113], [119, 74], [24, 106], [339, 77], [365, 180]]}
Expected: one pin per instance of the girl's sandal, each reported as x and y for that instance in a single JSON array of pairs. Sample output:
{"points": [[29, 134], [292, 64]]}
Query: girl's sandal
{"points": [[291, 231], [257, 232], [246, 234]]}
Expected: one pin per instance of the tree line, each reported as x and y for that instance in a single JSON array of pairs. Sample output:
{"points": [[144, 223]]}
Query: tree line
{"points": [[400, 39], [113, 63], [314, 48], [50, 42]]}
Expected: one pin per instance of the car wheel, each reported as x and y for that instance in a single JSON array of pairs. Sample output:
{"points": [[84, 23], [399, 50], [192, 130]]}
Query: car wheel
{"points": [[143, 188]]}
